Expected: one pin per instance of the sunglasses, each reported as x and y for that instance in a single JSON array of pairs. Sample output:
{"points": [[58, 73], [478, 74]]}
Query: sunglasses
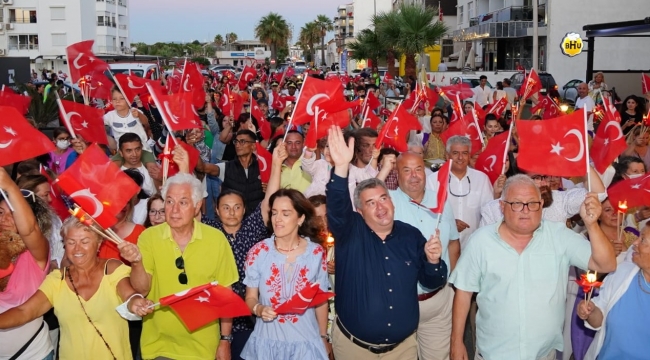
{"points": [[180, 265], [28, 194]]}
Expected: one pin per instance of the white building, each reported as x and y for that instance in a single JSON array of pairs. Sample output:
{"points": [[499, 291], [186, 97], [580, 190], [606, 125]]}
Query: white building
{"points": [[41, 29], [244, 52], [502, 33], [364, 10], [344, 32]]}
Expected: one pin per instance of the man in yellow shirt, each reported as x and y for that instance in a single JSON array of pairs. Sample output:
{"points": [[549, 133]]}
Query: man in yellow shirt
{"points": [[175, 256], [293, 176]]}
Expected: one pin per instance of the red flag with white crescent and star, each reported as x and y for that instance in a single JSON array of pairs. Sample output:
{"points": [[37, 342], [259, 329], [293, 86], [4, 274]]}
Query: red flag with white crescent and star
{"points": [[463, 91], [264, 160], [19, 140], [492, 159], [9, 98], [320, 126], [553, 147], [201, 305], [310, 296], [466, 127], [531, 85], [263, 124], [609, 141], [499, 107], [635, 191], [135, 86], [83, 120], [396, 128], [98, 186], [176, 109], [57, 203], [83, 61], [192, 82], [312, 93], [247, 75]]}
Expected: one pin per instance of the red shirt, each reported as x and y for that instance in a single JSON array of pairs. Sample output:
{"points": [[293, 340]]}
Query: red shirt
{"points": [[108, 249]]}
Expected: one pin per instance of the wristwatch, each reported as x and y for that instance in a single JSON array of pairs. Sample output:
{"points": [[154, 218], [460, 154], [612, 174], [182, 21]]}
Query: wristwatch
{"points": [[227, 338]]}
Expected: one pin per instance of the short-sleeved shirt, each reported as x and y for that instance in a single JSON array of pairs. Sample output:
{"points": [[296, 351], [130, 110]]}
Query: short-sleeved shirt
{"points": [[207, 258], [295, 177], [128, 124], [147, 157], [79, 339], [521, 297]]}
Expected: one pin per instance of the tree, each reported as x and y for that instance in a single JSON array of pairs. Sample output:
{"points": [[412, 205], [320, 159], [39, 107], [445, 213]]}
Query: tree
{"points": [[218, 40], [324, 24], [367, 46], [310, 35], [231, 37], [274, 31], [412, 29]]}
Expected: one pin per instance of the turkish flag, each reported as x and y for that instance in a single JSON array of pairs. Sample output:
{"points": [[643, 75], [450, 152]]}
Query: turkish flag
{"points": [[9, 98], [480, 115], [192, 82], [492, 159], [310, 296], [635, 191], [431, 97], [645, 83], [548, 106], [264, 160], [96, 84], [313, 93], [463, 91], [133, 86], [531, 85], [172, 167], [19, 140], [201, 305], [278, 102], [82, 60], [371, 121], [554, 147], [177, 109], [247, 75], [457, 113], [225, 101], [83, 120], [263, 124], [289, 72], [174, 81], [387, 77], [98, 186], [609, 141], [466, 127], [57, 203], [499, 107], [411, 101], [321, 125], [371, 101], [396, 128], [443, 184], [237, 104]]}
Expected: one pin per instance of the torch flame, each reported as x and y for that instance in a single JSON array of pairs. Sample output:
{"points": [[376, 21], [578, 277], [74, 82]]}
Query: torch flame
{"points": [[592, 277], [330, 240], [622, 206]]}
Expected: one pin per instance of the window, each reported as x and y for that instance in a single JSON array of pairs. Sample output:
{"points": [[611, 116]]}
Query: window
{"points": [[460, 15], [57, 13], [447, 47], [470, 10], [59, 40], [23, 42], [22, 16]]}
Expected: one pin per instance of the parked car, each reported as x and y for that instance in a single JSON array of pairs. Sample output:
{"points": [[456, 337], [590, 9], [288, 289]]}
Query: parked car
{"points": [[471, 80], [223, 67], [549, 86], [569, 92]]}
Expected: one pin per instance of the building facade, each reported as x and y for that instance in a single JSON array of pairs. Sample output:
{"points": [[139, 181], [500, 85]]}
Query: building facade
{"points": [[501, 32], [42, 29], [243, 52]]}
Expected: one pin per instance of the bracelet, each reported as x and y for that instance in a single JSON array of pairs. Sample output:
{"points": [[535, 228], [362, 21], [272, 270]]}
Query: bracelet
{"points": [[132, 296], [255, 308], [325, 337]]}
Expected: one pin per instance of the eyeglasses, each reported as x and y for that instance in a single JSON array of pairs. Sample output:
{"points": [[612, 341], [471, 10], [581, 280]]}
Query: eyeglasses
{"points": [[156, 212], [519, 206], [180, 265], [242, 142], [541, 178], [469, 183]]}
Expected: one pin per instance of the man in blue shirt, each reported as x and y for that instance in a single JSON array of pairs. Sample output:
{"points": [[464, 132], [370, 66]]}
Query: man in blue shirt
{"points": [[380, 262]]}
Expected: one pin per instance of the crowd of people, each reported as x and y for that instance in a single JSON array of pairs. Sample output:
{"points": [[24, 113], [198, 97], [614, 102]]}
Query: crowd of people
{"points": [[490, 276]]}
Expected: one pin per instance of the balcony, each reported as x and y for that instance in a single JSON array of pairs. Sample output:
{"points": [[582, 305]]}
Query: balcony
{"points": [[122, 27], [513, 13], [30, 20], [108, 24], [22, 46], [112, 50], [515, 29]]}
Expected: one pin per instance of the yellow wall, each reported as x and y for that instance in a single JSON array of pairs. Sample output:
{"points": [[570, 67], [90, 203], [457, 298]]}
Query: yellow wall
{"points": [[434, 59]]}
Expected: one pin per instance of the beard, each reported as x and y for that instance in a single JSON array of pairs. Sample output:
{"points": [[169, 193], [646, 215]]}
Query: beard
{"points": [[547, 195]]}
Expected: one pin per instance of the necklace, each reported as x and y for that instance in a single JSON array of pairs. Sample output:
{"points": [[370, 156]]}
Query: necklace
{"points": [[286, 250], [643, 288]]}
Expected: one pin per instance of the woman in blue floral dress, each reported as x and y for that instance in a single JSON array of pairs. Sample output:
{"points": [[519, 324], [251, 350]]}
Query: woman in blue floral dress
{"points": [[276, 269]]}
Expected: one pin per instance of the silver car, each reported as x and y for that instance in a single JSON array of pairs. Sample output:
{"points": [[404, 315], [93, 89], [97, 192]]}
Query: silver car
{"points": [[569, 92]]}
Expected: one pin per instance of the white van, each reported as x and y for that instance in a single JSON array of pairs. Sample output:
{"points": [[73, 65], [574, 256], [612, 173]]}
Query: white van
{"points": [[137, 69]]}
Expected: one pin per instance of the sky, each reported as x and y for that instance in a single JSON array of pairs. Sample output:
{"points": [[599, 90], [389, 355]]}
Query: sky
{"points": [[189, 20]]}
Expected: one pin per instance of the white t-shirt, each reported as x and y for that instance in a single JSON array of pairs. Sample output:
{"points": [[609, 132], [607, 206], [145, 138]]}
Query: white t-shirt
{"points": [[442, 67], [148, 185], [588, 103], [482, 96], [128, 124]]}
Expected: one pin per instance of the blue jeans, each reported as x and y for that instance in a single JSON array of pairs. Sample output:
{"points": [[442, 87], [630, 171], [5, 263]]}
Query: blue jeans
{"points": [[214, 188], [49, 356]]}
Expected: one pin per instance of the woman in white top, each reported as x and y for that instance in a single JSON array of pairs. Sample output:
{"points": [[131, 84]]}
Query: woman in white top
{"points": [[499, 93], [125, 119]]}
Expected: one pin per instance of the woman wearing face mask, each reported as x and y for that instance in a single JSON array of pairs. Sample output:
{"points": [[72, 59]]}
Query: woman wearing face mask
{"points": [[59, 157]]}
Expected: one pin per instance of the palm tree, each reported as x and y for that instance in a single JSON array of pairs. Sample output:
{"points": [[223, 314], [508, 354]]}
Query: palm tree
{"points": [[218, 40], [325, 24], [310, 35], [412, 30], [273, 30], [231, 37]]}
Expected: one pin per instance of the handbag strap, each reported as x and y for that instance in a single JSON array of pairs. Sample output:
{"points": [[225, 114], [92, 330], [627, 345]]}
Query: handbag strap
{"points": [[22, 349]]}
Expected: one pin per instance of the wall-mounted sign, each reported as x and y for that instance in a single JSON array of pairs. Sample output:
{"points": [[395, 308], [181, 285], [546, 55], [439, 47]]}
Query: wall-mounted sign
{"points": [[571, 44]]}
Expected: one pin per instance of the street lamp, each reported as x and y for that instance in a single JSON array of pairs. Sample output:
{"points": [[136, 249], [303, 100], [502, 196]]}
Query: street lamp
{"points": [[134, 50]]}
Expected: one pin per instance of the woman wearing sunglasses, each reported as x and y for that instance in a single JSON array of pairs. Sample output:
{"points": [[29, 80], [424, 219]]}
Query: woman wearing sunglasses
{"points": [[27, 270], [84, 295]]}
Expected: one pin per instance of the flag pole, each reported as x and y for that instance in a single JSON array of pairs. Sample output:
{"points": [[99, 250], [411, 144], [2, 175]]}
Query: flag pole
{"points": [[587, 152], [505, 152], [365, 117], [68, 124], [286, 131], [128, 101], [478, 128], [163, 113]]}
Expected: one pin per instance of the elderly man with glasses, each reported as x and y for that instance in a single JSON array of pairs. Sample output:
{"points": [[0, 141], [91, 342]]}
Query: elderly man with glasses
{"points": [[518, 269], [175, 256]]}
